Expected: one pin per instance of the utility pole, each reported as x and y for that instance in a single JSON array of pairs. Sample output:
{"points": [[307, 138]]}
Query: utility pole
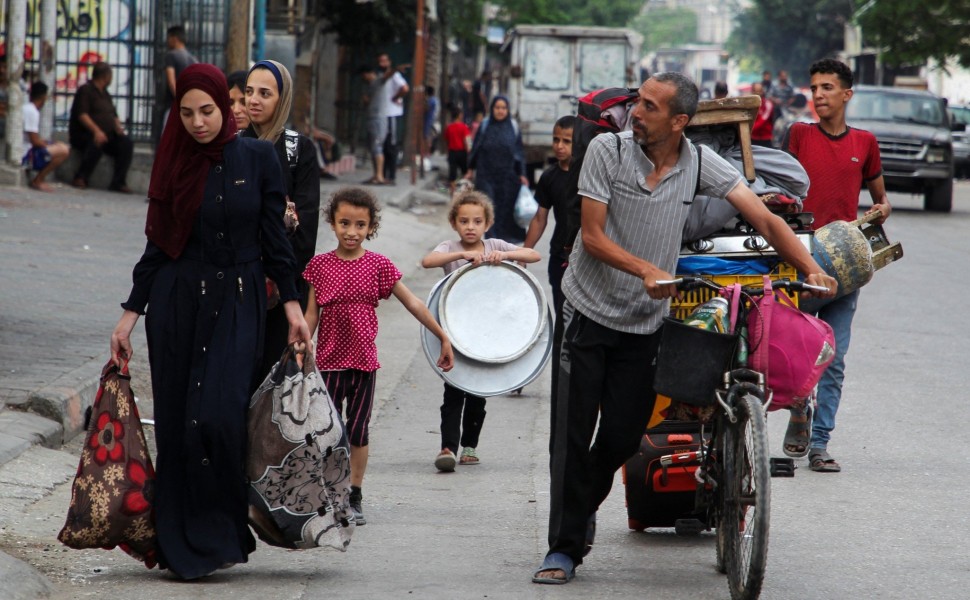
{"points": [[48, 59], [16, 37], [418, 103], [237, 46]]}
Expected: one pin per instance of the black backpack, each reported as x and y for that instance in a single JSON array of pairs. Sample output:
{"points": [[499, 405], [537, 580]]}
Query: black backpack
{"points": [[601, 111]]}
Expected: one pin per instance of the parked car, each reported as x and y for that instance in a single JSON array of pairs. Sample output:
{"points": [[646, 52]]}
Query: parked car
{"points": [[960, 121], [913, 131]]}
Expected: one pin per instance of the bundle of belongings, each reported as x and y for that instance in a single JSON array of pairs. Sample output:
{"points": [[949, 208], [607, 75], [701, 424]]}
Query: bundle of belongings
{"points": [[780, 180]]}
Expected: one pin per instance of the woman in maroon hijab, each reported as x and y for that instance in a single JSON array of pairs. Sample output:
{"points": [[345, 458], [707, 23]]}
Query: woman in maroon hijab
{"points": [[215, 231]]}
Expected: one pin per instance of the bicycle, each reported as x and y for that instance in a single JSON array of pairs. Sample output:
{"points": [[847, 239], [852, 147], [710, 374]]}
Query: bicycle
{"points": [[733, 476]]}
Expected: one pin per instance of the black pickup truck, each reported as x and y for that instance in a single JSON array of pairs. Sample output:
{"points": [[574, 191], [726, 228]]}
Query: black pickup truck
{"points": [[915, 142]]}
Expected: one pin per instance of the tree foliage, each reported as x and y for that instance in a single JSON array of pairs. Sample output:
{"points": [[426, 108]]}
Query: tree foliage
{"points": [[781, 34], [372, 23], [666, 27], [607, 13], [912, 31]]}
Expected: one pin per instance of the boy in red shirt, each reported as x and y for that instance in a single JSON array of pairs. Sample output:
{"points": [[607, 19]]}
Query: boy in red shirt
{"points": [[456, 136], [764, 122], [838, 160]]}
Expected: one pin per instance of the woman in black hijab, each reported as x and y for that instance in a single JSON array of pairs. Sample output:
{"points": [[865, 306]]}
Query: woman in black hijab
{"points": [[497, 165]]}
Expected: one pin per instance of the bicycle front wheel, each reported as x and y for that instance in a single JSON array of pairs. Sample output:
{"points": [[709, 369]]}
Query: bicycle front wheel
{"points": [[746, 499]]}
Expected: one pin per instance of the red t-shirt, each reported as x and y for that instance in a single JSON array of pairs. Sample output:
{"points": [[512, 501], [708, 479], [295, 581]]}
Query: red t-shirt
{"points": [[455, 135], [347, 292], [837, 167], [763, 121]]}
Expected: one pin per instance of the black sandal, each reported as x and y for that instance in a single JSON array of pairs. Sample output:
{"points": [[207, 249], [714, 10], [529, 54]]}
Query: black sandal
{"points": [[821, 462], [799, 433]]}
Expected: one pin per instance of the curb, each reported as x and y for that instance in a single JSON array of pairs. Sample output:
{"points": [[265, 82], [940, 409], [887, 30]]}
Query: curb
{"points": [[65, 399]]}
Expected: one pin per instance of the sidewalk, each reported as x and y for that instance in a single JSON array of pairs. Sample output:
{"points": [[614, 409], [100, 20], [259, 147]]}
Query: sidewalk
{"points": [[67, 258]]}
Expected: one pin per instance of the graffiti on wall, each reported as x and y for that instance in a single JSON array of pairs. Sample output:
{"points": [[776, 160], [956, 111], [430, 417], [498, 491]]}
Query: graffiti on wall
{"points": [[118, 32]]}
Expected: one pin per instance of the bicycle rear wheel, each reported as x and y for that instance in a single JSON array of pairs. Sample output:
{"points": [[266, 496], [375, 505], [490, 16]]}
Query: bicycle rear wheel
{"points": [[746, 499]]}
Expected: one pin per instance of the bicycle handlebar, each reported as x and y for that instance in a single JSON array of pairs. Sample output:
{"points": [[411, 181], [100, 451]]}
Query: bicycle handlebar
{"points": [[686, 284]]}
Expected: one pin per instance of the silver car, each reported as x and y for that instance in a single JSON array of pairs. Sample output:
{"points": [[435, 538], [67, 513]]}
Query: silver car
{"points": [[959, 121]]}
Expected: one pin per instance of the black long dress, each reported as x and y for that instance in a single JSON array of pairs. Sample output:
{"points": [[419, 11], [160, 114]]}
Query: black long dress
{"points": [[205, 320], [301, 177]]}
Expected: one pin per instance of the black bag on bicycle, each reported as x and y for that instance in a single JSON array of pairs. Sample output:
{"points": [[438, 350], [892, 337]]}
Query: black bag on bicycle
{"points": [[658, 496]]}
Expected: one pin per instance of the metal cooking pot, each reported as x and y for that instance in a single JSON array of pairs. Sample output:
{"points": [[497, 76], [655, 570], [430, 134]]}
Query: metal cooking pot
{"points": [[499, 325]]}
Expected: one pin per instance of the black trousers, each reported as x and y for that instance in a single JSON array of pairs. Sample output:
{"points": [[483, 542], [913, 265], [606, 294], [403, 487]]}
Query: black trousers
{"points": [[461, 426], [604, 374], [557, 268], [390, 150], [118, 146]]}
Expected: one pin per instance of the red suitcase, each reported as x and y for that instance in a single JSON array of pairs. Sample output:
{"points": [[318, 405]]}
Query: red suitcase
{"points": [[658, 496]]}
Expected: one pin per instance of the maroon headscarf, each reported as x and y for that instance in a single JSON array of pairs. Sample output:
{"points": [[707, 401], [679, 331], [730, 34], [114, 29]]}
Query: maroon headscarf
{"points": [[182, 164]]}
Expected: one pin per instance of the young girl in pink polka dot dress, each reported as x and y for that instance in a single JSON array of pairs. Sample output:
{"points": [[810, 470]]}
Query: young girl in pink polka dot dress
{"points": [[346, 285]]}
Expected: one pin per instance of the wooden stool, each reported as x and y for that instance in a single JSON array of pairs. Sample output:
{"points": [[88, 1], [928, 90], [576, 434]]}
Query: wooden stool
{"points": [[739, 112]]}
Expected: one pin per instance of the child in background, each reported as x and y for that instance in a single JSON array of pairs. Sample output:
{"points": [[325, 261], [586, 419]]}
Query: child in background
{"points": [[457, 137], [552, 192], [471, 214], [346, 285], [476, 123]]}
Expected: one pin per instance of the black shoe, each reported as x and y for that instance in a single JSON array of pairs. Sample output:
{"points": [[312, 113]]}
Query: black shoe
{"points": [[327, 175], [355, 498]]}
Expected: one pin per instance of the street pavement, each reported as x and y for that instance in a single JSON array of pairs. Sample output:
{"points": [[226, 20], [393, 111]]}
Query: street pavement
{"points": [[66, 259], [892, 525]]}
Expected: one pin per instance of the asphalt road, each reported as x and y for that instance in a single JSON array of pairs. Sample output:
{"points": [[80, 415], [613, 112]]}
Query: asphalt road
{"points": [[892, 525]]}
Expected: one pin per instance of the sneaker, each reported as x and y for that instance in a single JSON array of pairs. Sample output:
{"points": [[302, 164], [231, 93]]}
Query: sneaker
{"points": [[445, 461], [468, 457], [355, 498]]}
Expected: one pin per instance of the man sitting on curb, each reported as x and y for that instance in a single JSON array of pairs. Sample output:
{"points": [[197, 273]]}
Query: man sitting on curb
{"points": [[95, 129], [42, 156]]}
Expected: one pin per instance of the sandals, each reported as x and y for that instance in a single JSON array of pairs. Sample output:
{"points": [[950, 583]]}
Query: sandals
{"points": [[820, 461], [557, 561], [799, 432], [445, 461], [468, 457]]}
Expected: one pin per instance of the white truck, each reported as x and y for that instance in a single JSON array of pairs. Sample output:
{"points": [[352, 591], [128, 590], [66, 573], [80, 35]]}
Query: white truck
{"points": [[550, 66]]}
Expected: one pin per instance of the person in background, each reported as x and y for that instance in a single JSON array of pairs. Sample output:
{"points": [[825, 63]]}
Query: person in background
{"points": [[497, 165], [481, 92], [376, 121], [346, 285], [840, 160], [458, 140], [95, 129], [269, 98], [765, 81], [204, 297], [395, 88], [237, 98], [764, 121], [176, 59], [42, 156], [782, 94], [431, 129], [552, 193], [720, 90]]}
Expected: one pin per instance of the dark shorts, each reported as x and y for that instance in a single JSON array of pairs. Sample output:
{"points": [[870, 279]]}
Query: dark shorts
{"points": [[357, 387], [36, 158], [457, 163]]}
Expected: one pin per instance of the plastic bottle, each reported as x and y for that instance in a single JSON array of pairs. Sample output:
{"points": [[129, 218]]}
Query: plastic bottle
{"points": [[711, 315]]}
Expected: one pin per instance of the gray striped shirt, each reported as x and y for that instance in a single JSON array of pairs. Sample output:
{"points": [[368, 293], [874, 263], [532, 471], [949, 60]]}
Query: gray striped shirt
{"points": [[646, 223]]}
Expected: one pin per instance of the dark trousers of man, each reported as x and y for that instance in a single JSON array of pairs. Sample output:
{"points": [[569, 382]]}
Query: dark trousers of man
{"points": [[557, 268], [390, 150], [458, 425], [605, 373], [118, 146]]}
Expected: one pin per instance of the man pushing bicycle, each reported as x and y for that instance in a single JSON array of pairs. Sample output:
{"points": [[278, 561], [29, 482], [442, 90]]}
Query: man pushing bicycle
{"points": [[637, 192]]}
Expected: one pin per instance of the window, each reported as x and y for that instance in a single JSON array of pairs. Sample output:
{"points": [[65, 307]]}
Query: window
{"points": [[602, 64], [548, 65]]}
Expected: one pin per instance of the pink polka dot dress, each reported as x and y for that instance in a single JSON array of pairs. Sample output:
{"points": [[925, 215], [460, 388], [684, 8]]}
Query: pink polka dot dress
{"points": [[347, 292]]}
